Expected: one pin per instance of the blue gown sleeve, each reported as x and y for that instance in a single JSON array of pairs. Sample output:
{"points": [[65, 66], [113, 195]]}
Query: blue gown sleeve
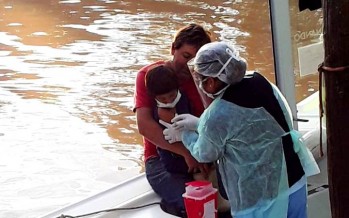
{"points": [[202, 149], [208, 144]]}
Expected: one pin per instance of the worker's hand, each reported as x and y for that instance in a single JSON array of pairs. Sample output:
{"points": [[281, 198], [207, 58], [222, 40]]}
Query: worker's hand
{"points": [[192, 163], [195, 167], [171, 134], [185, 121], [204, 169]]}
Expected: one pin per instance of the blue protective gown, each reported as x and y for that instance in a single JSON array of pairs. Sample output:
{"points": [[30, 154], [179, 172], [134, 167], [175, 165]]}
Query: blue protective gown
{"points": [[247, 142], [306, 158]]}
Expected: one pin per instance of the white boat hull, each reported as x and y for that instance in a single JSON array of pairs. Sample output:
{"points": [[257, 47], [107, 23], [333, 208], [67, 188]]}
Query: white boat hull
{"points": [[137, 192], [131, 193]]}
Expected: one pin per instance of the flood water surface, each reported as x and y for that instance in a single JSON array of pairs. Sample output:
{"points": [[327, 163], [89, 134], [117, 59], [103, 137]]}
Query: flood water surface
{"points": [[67, 71]]}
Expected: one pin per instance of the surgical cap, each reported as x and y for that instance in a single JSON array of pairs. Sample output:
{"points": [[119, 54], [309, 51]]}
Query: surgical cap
{"points": [[220, 56]]}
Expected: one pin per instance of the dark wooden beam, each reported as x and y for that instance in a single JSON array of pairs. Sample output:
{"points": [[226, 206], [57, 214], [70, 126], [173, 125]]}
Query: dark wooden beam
{"points": [[336, 90]]}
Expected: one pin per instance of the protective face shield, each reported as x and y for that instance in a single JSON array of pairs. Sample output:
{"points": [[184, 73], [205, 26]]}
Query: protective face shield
{"points": [[220, 60], [197, 80], [200, 83], [169, 105], [217, 59]]}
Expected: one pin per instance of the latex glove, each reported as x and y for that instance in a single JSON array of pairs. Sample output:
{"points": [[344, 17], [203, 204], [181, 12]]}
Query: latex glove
{"points": [[171, 134], [185, 121]]}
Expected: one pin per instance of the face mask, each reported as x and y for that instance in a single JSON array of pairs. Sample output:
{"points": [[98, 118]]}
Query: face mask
{"points": [[210, 95], [169, 105], [203, 90]]}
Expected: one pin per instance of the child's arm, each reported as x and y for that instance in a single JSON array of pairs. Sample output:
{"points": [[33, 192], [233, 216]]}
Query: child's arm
{"points": [[166, 114]]}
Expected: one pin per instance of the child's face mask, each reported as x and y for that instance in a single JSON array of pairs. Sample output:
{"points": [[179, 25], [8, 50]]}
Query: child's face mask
{"points": [[169, 105]]}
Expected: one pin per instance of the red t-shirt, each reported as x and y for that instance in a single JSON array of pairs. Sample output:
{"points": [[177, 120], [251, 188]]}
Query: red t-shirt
{"points": [[142, 99]]}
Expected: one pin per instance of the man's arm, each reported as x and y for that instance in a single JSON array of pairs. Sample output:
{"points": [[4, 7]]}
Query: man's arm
{"points": [[151, 130]]}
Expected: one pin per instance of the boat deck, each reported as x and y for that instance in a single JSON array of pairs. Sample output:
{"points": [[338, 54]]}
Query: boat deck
{"points": [[137, 192]]}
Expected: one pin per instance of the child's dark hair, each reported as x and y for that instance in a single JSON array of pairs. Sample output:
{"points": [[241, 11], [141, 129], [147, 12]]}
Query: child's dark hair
{"points": [[160, 80], [192, 34]]}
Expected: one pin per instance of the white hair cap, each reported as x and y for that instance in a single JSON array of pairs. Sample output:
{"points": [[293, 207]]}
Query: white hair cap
{"points": [[221, 60]]}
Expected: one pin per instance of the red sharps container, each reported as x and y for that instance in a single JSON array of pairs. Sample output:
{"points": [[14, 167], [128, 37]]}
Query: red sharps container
{"points": [[200, 199]]}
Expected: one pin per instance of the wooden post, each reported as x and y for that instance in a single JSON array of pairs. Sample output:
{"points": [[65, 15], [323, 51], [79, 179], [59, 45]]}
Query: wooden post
{"points": [[336, 81]]}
